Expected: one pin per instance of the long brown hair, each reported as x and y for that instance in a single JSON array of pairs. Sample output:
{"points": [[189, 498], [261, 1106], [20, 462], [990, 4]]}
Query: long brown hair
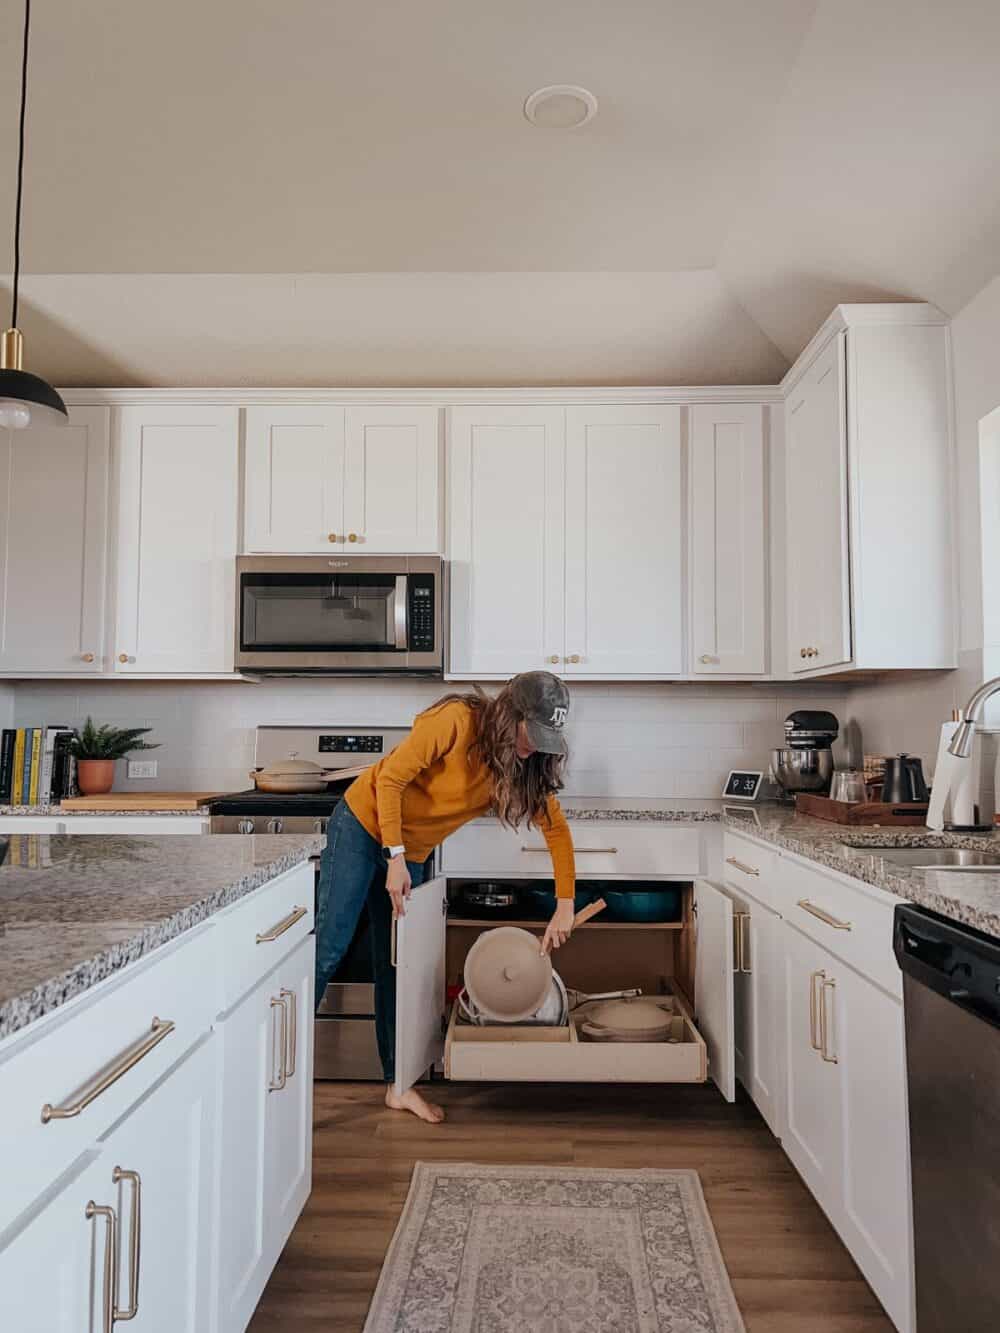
{"points": [[521, 787]]}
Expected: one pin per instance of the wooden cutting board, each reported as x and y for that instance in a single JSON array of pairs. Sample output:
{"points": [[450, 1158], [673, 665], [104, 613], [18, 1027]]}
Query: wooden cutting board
{"points": [[141, 800]]}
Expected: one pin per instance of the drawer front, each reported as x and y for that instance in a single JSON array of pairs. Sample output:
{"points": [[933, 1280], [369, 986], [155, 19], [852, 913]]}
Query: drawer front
{"points": [[555, 1055], [262, 929], [750, 868], [107, 1037], [603, 850], [848, 922]]}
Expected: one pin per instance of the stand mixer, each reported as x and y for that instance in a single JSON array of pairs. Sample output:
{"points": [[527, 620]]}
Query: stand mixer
{"points": [[805, 762]]}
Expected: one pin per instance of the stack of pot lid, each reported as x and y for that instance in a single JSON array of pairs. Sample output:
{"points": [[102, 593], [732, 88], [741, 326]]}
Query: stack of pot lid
{"points": [[506, 975], [627, 1020]]}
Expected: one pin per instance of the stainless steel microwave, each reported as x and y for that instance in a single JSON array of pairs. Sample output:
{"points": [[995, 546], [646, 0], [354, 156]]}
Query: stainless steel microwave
{"points": [[340, 615]]}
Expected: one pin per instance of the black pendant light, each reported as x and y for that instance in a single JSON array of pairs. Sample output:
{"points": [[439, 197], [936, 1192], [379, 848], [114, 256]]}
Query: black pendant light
{"points": [[23, 397]]}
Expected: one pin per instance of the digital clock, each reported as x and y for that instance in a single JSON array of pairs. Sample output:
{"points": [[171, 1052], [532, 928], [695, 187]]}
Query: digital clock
{"points": [[743, 786]]}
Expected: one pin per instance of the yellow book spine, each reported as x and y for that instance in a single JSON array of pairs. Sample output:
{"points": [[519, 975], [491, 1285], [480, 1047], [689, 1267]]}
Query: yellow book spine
{"points": [[17, 789], [36, 765]]}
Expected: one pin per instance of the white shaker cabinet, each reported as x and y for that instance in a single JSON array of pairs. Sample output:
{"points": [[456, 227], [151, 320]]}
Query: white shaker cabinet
{"points": [[178, 502], [727, 579], [53, 517], [623, 541], [364, 479], [758, 1009], [294, 491], [819, 612], [507, 470]]}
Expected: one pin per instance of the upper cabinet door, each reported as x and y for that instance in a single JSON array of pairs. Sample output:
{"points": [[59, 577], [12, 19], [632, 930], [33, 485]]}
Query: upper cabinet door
{"points": [[506, 529], [391, 489], [294, 479], [178, 499], [819, 617], [623, 541], [727, 539], [714, 990], [53, 516], [419, 958]]}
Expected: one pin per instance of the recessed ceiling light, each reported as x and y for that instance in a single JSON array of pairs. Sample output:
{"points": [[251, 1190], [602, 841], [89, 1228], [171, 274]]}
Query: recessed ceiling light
{"points": [[560, 106]]}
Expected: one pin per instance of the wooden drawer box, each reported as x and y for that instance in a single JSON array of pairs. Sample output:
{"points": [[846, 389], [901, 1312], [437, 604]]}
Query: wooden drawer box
{"points": [[849, 921], [261, 929], [527, 1054], [604, 850], [54, 1062]]}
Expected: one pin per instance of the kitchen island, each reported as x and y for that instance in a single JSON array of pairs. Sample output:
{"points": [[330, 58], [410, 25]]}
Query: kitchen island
{"points": [[156, 1060]]}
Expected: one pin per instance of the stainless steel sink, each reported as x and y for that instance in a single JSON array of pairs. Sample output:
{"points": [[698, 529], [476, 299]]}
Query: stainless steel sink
{"points": [[932, 858]]}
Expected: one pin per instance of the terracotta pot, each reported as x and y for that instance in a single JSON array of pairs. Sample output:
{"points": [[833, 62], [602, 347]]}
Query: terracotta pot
{"points": [[95, 777]]}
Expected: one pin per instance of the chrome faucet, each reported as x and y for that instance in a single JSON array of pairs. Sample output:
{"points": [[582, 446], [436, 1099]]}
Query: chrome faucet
{"points": [[965, 733]]}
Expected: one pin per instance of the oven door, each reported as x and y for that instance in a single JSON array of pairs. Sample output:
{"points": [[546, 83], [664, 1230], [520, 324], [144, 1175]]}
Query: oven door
{"points": [[364, 616]]}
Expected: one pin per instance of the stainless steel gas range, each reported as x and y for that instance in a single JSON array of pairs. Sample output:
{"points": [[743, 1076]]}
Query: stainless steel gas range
{"points": [[345, 1020]]}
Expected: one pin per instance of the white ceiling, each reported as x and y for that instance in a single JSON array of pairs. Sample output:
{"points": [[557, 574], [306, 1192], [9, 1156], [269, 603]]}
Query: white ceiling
{"points": [[357, 184]]}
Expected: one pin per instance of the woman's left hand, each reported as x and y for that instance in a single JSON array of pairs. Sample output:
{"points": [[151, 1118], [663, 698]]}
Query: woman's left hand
{"points": [[559, 929]]}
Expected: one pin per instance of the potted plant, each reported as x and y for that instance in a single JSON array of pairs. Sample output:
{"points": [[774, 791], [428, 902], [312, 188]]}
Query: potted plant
{"points": [[96, 749]]}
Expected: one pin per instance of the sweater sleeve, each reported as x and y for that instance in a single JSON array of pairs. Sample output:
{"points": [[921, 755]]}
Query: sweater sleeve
{"points": [[433, 735], [559, 840]]}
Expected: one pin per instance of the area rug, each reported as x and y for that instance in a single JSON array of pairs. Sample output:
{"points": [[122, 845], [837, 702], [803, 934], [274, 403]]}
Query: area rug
{"points": [[526, 1249]]}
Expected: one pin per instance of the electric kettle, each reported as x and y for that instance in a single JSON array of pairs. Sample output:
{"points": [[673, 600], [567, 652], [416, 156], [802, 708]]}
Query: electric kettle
{"points": [[904, 780]]}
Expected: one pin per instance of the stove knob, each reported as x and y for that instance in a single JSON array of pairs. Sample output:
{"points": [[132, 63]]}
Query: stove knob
{"points": [[275, 825], [245, 826]]}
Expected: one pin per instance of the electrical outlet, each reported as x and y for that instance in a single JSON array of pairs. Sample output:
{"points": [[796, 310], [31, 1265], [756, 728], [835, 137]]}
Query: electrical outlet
{"points": [[142, 768]]}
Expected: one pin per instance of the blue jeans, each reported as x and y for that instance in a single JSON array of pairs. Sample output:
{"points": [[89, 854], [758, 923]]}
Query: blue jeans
{"points": [[351, 874]]}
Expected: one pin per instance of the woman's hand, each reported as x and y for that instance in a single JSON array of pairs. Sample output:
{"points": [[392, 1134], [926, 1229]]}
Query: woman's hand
{"points": [[398, 883], [559, 929]]}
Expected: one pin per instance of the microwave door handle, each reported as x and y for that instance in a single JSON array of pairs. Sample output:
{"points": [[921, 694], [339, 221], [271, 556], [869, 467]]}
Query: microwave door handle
{"points": [[399, 613]]}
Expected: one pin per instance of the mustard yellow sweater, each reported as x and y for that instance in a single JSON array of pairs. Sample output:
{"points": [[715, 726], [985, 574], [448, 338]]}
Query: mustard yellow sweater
{"points": [[429, 786]]}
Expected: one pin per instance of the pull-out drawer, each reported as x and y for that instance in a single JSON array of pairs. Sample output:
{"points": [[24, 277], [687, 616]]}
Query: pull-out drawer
{"points": [[850, 922], [262, 929], [749, 867], [603, 849], [531, 1054], [72, 1076]]}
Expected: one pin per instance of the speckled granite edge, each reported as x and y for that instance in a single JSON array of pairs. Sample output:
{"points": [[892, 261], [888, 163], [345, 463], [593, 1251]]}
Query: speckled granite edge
{"points": [[58, 812], [583, 815], [21, 1010]]}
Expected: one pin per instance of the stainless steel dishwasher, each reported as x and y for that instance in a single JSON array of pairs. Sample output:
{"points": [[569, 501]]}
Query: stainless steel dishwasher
{"points": [[951, 994]]}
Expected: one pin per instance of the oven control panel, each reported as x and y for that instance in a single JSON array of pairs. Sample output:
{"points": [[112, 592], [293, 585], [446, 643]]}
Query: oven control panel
{"points": [[351, 744], [421, 613]]}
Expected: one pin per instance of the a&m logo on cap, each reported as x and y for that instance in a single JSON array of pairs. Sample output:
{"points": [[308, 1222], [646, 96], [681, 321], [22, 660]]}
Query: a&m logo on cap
{"points": [[559, 716]]}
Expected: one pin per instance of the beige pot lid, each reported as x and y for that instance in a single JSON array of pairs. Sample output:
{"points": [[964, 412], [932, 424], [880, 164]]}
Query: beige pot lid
{"points": [[632, 1015], [293, 767], [506, 976]]}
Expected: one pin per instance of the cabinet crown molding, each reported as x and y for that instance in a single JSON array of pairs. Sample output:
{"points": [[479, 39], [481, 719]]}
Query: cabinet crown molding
{"points": [[567, 396], [859, 315]]}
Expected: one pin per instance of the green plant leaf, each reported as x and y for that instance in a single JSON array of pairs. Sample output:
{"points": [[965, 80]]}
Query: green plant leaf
{"points": [[108, 742]]}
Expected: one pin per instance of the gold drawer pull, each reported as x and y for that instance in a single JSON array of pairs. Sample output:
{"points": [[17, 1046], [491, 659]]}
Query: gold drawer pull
{"points": [[814, 1041], [580, 851], [110, 1275], [133, 1178], [825, 917], [276, 1083], [293, 1028], [269, 936], [825, 985], [102, 1081], [742, 865]]}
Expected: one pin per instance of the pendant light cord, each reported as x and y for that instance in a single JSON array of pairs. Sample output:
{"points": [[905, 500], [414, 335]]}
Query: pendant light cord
{"points": [[20, 164]]}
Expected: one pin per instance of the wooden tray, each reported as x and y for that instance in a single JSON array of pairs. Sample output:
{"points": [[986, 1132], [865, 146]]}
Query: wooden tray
{"points": [[862, 812], [141, 800]]}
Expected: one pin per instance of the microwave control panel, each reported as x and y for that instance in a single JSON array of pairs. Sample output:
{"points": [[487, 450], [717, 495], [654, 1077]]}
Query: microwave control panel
{"points": [[421, 613]]}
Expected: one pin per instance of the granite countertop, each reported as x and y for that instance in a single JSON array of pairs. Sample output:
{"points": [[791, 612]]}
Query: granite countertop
{"points": [[74, 910], [60, 812]]}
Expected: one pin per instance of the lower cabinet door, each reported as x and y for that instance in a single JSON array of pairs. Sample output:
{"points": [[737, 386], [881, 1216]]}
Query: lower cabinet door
{"points": [[874, 1217], [56, 1271], [812, 1080], [288, 1118], [761, 966]]}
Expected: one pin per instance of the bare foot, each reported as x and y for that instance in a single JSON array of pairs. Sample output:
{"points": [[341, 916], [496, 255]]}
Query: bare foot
{"points": [[412, 1101]]}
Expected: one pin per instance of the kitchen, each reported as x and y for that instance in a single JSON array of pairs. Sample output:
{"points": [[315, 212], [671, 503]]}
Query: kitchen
{"points": [[732, 477]]}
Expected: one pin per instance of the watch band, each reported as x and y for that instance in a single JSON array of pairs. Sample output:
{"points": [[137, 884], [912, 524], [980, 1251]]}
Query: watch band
{"points": [[396, 851]]}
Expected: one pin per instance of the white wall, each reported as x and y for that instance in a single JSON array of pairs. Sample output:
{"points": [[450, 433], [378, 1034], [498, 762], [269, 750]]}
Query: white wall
{"points": [[626, 740], [6, 705], [906, 715]]}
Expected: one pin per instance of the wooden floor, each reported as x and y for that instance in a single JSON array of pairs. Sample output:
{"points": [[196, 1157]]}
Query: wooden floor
{"points": [[789, 1270]]}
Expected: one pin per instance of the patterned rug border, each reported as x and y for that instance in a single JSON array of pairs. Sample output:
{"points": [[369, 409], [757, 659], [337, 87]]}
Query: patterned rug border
{"points": [[402, 1245]]}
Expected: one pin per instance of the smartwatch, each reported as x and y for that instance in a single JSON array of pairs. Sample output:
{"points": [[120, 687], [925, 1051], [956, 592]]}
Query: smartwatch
{"points": [[395, 851]]}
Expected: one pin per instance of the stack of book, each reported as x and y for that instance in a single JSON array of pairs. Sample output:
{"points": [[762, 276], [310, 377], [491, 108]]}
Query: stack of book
{"points": [[36, 767]]}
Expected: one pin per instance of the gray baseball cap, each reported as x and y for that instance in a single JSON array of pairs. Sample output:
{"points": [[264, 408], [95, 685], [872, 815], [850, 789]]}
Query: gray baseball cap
{"points": [[543, 701]]}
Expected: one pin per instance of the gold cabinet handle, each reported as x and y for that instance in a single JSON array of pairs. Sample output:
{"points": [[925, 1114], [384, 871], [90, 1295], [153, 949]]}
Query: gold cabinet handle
{"points": [[109, 1280], [814, 1040], [86, 657], [707, 659], [574, 659], [740, 922], [275, 1084], [745, 944], [125, 658], [132, 1309], [128, 1059], [803, 652], [352, 536], [824, 1024], [820, 915], [286, 923], [554, 659], [333, 537], [293, 1029], [742, 865], [579, 851]]}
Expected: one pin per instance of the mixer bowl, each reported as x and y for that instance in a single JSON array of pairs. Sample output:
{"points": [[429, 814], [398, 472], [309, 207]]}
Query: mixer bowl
{"points": [[810, 769]]}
